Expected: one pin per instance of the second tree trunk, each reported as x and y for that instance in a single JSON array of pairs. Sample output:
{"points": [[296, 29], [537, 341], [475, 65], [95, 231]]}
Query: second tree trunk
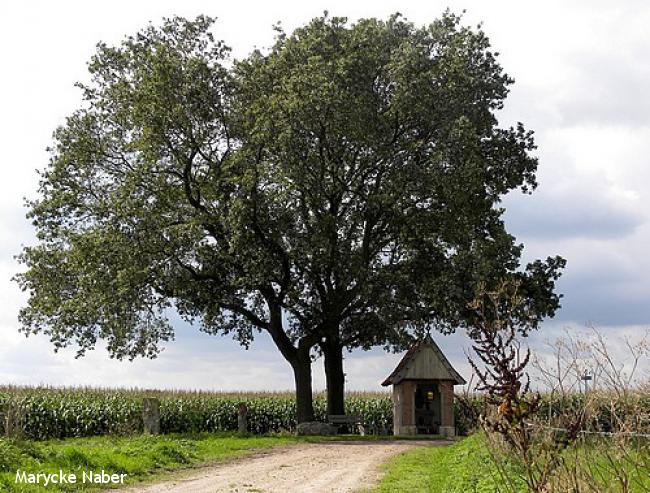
{"points": [[335, 377]]}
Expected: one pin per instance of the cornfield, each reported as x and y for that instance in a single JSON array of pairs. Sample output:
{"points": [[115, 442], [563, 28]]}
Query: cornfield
{"points": [[606, 408], [75, 412]]}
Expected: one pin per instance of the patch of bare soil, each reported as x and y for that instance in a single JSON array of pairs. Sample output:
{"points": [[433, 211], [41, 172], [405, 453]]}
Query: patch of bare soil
{"points": [[332, 467]]}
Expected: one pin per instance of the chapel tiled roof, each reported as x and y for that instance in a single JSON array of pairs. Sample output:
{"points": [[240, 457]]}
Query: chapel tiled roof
{"points": [[395, 376]]}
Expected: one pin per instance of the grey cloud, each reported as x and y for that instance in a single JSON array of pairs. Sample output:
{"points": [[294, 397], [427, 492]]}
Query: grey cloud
{"points": [[604, 282], [603, 303], [609, 89], [578, 212]]}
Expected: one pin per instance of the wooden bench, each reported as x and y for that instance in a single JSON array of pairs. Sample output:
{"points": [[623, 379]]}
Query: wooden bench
{"points": [[350, 421]]}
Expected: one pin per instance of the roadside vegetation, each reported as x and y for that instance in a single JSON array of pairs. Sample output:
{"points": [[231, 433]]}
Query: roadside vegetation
{"points": [[597, 443], [463, 467], [140, 457], [469, 467]]}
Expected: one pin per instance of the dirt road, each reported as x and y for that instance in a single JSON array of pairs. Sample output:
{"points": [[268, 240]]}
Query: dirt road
{"points": [[333, 467]]}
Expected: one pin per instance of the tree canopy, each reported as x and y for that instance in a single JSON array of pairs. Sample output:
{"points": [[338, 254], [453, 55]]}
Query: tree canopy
{"points": [[340, 190]]}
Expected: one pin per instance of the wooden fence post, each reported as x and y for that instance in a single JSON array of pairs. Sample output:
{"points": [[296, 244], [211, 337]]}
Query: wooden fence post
{"points": [[13, 421], [151, 415], [242, 418]]}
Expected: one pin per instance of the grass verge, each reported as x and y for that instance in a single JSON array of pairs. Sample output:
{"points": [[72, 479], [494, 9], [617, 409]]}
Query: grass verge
{"points": [[459, 468], [466, 467], [140, 457]]}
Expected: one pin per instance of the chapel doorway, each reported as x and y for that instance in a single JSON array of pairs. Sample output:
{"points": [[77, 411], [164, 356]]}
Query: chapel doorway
{"points": [[427, 408]]}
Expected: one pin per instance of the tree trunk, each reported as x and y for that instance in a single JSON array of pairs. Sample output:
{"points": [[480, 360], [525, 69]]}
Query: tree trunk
{"points": [[333, 353], [302, 377], [300, 361]]}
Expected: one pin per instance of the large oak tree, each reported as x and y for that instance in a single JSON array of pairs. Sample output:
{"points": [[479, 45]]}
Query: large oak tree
{"points": [[339, 191]]}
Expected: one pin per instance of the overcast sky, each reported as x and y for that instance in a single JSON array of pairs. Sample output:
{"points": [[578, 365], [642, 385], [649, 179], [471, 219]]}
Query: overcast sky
{"points": [[581, 71]]}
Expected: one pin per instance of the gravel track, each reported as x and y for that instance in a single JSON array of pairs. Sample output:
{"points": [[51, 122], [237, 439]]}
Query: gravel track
{"points": [[330, 467]]}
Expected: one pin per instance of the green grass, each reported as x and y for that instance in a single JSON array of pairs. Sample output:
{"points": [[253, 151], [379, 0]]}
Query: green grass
{"points": [[463, 467], [466, 467], [140, 457]]}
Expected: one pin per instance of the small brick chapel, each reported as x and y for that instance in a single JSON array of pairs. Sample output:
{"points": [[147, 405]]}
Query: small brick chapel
{"points": [[423, 391]]}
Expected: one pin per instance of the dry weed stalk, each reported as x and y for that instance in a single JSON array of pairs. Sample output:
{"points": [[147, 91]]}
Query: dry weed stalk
{"points": [[501, 316], [612, 452], [572, 438]]}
